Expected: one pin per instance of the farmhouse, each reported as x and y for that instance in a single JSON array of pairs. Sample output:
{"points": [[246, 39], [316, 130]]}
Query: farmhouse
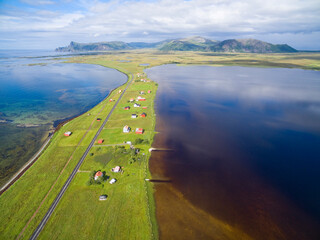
{"points": [[116, 169], [126, 129], [139, 131], [103, 197], [67, 134], [139, 98], [97, 175], [134, 115]]}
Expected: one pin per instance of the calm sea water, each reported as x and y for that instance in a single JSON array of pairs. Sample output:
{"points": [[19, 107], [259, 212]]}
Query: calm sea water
{"points": [[38, 89], [247, 152]]}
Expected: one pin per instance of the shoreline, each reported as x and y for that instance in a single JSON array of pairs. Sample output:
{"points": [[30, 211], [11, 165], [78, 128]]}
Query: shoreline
{"points": [[61, 122]]}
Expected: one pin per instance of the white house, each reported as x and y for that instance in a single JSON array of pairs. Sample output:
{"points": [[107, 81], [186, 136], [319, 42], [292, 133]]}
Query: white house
{"points": [[126, 129]]}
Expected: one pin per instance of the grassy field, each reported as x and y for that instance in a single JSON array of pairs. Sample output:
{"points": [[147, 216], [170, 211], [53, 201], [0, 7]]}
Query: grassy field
{"points": [[129, 211]]}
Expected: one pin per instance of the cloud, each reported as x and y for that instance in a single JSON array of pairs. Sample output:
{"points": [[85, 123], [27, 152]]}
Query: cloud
{"points": [[38, 2], [167, 18]]}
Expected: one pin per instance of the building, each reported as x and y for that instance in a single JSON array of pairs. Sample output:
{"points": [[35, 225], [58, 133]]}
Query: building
{"points": [[134, 115], [149, 91], [126, 129], [98, 119], [139, 98], [116, 169], [103, 197], [143, 115], [111, 100], [97, 175], [112, 181], [131, 100], [120, 90], [136, 105], [139, 131], [144, 107], [126, 108], [100, 141], [141, 92], [67, 134]]}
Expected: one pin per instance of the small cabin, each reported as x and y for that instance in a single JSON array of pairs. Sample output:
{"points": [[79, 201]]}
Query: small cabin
{"points": [[126, 129], [143, 115], [141, 92], [112, 181], [136, 105], [97, 175], [111, 100], [100, 141], [139, 131], [144, 107], [116, 169], [131, 100], [98, 119], [134, 115], [149, 91], [103, 197], [139, 98], [126, 108], [120, 91], [67, 134]]}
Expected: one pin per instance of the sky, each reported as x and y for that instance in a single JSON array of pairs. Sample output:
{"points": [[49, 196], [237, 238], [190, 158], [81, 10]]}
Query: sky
{"points": [[47, 24]]}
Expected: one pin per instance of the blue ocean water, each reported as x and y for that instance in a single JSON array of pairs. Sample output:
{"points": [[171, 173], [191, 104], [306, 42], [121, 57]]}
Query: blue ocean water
{"points": [[38, 88]]}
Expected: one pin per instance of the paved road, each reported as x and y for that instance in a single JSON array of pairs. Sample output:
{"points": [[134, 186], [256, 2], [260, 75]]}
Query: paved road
{"points": [[75, 170]]}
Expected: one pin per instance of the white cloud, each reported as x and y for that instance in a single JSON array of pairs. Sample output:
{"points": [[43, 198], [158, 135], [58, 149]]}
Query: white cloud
{"points": [[164, 18]]}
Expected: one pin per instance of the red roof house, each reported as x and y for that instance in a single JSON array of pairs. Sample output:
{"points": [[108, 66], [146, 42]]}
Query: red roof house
{"points": [[100, 141], [143, 115], [97, 175], [67, 134], [139, 130], [144, 107], [98, 119], [149, 91], [126, 108]]}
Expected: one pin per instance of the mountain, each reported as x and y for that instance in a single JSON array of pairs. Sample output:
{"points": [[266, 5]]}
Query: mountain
{"points": [[185, 44], [250, 46], [100, 46]]}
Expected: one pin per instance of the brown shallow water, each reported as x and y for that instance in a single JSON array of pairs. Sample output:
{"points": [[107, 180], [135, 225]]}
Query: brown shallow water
{"points": [[245, 166]]}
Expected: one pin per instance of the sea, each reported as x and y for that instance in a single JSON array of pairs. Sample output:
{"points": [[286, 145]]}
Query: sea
{"points": [[37, 91]]}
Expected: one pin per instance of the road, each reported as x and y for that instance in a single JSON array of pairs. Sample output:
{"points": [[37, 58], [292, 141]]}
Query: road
{"points": [[75, 170]]}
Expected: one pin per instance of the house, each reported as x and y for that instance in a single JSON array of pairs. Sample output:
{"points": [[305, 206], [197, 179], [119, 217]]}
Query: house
{"points": [[111, 100], [149, 91], [131, 100], [144, 107], [67, 134], [97, 175], [100, 141], [98, 119], [136, 105], [134, 115], [112, 181], [141, 92], [126, 108], [143, 115], [103, 197], [139, 98], [120, 90], [116, 169], [139, 130], [126, 129]]}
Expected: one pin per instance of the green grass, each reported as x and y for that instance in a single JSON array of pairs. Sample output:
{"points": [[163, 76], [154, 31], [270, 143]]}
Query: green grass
{"points": [[129, 211]]}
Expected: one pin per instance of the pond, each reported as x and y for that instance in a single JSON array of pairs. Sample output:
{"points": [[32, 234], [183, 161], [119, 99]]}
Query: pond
{"points": [[246, 152]]}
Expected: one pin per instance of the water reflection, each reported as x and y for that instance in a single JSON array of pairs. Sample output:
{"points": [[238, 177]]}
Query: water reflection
{"points": [[247, 144]]}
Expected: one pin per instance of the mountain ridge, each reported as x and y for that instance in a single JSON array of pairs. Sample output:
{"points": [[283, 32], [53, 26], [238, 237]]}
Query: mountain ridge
{"points": [[194, 43]]}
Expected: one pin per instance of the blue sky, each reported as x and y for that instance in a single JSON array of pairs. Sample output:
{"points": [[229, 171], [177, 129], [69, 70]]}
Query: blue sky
{"points": [[47, 24]]}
